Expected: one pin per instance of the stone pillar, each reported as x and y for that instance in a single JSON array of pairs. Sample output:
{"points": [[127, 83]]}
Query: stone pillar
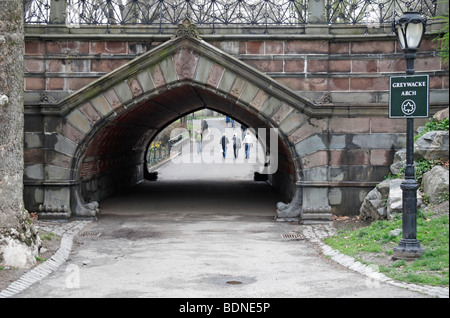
{"points": [[317, 18], [442, 8], [18, 239], [58, 11]]}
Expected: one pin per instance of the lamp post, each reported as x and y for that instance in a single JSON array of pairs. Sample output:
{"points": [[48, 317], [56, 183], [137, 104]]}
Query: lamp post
{"points": [[409, 29]]}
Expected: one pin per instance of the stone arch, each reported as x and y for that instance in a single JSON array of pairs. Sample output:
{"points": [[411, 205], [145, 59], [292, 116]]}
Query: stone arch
{"points": [[129, 105]]}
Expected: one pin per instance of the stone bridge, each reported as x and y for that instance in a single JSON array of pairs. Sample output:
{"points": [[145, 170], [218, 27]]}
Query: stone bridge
{"points": [[96, 96]]}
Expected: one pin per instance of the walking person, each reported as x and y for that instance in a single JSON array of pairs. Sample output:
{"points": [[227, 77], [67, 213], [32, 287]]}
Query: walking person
{"points": [[199, 141], [248, 142], [224, 143], [236, 145]]}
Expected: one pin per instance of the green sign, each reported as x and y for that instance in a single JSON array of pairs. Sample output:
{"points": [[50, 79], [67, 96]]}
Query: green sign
{"points": [[409, 96]]}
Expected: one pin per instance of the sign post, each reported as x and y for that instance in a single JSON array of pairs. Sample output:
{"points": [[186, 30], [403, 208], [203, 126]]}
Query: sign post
{"points": [[409, 99]]}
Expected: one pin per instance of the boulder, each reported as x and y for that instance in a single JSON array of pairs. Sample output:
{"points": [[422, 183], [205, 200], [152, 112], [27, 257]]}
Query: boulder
{"points": [[384, 200], [373, 208], [441, 115], [395, 199], [435, 184], [399, 162], [432, 145]]}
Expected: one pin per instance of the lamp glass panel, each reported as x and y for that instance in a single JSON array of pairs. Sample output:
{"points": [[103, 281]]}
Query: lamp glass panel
{"points": [[414, 35], [401, 35]]}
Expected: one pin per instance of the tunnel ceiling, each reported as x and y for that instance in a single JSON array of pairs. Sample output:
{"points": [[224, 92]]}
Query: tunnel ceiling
{"points": [[136, 126]]}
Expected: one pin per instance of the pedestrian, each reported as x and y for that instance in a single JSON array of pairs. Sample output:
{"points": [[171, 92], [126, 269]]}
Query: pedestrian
{"points": [[244, 128], [199, 141], [204, 125], [236, 145], [248, 143], [224, 143], [227, 121]]}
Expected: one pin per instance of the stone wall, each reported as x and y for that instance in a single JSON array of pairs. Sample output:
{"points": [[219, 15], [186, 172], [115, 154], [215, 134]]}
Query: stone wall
{"points": [[345, 143]]}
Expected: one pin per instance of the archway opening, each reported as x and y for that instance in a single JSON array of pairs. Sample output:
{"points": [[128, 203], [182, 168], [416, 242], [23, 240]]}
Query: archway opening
{"points": [[116, 157]]}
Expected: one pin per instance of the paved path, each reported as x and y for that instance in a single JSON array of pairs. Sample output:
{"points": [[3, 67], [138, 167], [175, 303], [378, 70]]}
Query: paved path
{"points": [[186, 236]]}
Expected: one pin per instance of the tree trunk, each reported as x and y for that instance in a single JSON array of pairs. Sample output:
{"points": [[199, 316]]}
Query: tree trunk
{"points": [[18, 238]]}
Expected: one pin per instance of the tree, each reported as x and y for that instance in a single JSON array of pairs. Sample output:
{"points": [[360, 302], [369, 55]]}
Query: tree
{"points": [[18, 239], [443, 42]]}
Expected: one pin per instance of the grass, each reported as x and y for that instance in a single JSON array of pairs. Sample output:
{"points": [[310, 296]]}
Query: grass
{"points": [[374, 245]]}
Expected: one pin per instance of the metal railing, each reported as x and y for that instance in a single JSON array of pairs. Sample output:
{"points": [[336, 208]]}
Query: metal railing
{"points": [[221, 12], [375, 11]]}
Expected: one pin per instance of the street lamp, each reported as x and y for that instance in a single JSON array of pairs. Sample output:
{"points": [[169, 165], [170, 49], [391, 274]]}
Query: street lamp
{"points": [[410, 29]]}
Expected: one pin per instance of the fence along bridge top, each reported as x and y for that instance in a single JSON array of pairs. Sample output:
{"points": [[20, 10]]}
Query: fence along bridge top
{"points": [[249, 13]]}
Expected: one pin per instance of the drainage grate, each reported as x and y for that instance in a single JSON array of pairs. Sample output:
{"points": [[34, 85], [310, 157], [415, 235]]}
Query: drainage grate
{"points": [[89, 234], [234, 282], [293, 236]]}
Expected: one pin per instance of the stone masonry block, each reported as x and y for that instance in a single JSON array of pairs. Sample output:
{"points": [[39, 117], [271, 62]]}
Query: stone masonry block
{"points": [[316, 173], [373, 47], [57, 159], [56, 173], [266, 66], [33, 156], [34, 172], [373, 141], [33, 140], [123, 92], [338, 142], [135, 87], [72, 133], [227, 81], [301, 46], [307, 129], [215, 75], [186, 61], [274, 47], [370, 83], [203, 69], [349, 125], [319, 158], [157, 76], [310, 145], [100, 103], [283, 111], [248, 93], [259, 99], [364, 66], [270, 106], [78, 120], [238, 86], [60, 144], [387, 125], [297, 65], [34, 66], [380, 157], [145, 81], [168, 69], [113, 100], [292, 121], [91, 114], [349, 157]]}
